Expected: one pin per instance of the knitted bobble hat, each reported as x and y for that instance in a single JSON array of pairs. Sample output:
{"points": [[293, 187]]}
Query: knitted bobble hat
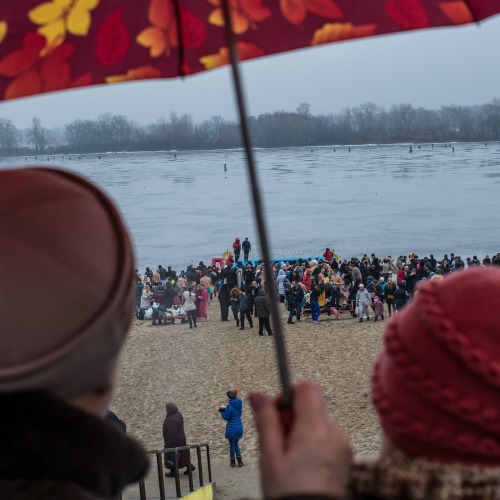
{"points": [[436, 384], [232, 393]]}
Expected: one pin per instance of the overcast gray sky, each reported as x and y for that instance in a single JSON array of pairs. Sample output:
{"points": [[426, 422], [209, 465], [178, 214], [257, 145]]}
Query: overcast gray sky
{"points": [[425, 68]]}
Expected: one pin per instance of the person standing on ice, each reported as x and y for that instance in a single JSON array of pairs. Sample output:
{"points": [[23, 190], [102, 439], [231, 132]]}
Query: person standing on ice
{"points": [[237, 249], [247, 248]]}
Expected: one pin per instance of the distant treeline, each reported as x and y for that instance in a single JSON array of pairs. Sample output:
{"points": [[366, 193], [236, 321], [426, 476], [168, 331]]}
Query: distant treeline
{"points": [[367, 123]]}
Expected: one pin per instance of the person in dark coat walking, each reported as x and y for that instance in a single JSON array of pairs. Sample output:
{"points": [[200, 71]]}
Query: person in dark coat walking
{"points": [[400, 296], [235, 304], [411, 282], [389, 295], [291, 305], [234, 427], [298, 297], [174, 436], [229, 277], [224, 303], [263, 311], [245, 310]]}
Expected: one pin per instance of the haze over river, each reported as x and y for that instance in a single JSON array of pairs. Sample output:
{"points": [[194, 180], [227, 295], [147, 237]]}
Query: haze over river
{"points": [[181, 206]]}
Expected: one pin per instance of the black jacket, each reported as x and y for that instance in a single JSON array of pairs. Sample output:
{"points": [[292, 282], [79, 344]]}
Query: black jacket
{"points": [[51, 450], [262, 307]]}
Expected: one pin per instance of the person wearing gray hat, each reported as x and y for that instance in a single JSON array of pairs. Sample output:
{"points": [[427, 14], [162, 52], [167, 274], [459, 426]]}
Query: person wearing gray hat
{"points": [[63, 236]]}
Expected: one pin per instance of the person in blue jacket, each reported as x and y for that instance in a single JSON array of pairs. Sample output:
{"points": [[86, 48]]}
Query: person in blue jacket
{"points": [[234, 427]]}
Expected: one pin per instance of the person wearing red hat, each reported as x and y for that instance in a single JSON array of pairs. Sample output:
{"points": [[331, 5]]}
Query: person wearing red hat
{"points": [[58, 370]]}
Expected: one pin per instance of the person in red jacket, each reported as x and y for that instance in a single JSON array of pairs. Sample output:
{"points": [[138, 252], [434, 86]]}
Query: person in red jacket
{"points": [[306, 279], [328, 255], [402, 274], [237, 249]]}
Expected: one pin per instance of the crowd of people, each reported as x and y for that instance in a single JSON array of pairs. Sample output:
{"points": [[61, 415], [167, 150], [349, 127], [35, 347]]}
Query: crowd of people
{"points": [[435, 384], [367, 287]]}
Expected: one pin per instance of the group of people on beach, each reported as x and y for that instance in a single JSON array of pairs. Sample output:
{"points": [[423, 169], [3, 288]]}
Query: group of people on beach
{"points": [[367, 287], [435, 384]]}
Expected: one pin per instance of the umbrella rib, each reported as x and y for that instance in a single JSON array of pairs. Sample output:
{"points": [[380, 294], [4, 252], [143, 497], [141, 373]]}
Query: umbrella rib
{"points": [[258, 213], [178, 23]]}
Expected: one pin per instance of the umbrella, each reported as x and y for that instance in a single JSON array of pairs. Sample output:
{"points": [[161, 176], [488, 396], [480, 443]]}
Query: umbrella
{"points": [[48, 45], [61, 44]]}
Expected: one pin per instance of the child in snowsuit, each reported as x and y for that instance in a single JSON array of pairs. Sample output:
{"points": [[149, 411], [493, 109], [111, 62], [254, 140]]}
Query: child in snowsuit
{"points": [[363, 301], [234, 427]]}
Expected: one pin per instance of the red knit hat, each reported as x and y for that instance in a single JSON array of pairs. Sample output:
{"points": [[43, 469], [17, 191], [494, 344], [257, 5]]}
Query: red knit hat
{"points": [[436, 384], [66, 299]]}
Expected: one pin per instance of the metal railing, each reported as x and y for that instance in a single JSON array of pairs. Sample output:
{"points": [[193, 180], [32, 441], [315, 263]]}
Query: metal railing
{"points": [[175, 452]]}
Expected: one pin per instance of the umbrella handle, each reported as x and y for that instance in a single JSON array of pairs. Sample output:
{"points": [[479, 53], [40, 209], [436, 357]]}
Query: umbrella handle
{"points": [[286, 416]]}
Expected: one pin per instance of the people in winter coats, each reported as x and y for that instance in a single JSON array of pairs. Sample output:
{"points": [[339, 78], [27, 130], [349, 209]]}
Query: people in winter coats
{"points": [[231, 412], [363, 302]]}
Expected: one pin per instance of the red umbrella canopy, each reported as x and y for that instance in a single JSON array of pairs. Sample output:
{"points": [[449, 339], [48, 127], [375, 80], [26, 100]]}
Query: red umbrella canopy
{"points": [[59, 44]]}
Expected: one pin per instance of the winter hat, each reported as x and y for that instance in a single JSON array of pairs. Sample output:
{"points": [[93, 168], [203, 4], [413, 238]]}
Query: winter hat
{"points": [[436, 384], [381, 280], [63, 240], [232, 393], [171, 408]]}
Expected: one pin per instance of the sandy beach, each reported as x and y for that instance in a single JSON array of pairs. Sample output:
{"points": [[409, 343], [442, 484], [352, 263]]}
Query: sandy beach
{"points": [[194, 368]]}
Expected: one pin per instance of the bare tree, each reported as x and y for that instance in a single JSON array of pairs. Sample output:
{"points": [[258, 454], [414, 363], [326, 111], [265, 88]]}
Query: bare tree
{"points": [[8, 134], [38, 135], [304, 109]]}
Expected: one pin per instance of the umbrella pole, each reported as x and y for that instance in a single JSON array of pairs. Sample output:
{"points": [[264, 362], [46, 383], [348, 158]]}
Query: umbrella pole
{"points": [[258, 213]]}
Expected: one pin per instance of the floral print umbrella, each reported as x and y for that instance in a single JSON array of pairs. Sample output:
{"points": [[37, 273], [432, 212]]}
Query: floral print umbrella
{"points": [[59, 44]]}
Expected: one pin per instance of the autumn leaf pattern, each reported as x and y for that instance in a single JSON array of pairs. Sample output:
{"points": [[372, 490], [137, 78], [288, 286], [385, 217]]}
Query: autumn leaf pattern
{"points": [[141, 73], [334, 32], [48, 45], [32, 73], [245, 51], [58, 17], [245, 14], [295, 11], [457, 12], [161, 36]]}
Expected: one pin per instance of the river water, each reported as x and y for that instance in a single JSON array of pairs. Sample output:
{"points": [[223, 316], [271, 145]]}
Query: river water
{"points": [[181, 207]]}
